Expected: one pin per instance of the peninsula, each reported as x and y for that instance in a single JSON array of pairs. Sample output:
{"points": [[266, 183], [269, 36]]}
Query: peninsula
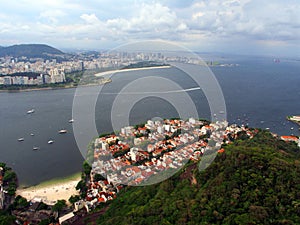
{"points": [[138, 154], [295, 119]]}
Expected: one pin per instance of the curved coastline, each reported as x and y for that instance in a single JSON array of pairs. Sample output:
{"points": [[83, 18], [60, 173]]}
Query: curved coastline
{"points": [[52, 88], [294, 119], [131, 69], [37, 89], [96, 75]]}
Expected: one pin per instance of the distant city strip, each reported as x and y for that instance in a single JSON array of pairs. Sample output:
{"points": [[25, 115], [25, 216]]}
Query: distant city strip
{"points": [[38, 70]]}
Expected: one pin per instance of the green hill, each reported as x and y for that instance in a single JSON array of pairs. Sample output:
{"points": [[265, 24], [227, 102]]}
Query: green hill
{"points": [[254, 181], [31, 51]]}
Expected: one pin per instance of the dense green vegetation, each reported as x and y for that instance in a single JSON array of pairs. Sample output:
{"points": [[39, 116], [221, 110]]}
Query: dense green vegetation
{"points": [[32, 51], [27, 74], [144, 64], [9, 184], [59, 205], [6, 218], [9, 179], [254, 181]]}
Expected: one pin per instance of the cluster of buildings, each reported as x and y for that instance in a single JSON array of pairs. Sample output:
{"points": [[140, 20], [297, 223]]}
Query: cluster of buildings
{"points": [[53, 76], [53, 71], [22, 71], [98, 192], [137, 153]]}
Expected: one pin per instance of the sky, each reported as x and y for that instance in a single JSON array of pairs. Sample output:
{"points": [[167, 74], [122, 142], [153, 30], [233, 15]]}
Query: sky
{"points": [[234, 26]]}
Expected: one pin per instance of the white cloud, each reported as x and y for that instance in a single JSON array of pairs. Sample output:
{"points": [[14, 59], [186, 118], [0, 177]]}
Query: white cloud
{"points": [[53, 16], [154, 18], [90, 18], [188, 22]]}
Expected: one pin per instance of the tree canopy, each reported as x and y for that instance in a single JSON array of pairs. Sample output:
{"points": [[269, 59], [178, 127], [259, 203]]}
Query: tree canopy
{"points": [[255, 181]]}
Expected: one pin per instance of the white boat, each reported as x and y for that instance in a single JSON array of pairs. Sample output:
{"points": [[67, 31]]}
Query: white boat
{"points": [[50, 142], [35, 148], [30, 111], [32, 134], [71, 120], [62, 131], [21, 139]]}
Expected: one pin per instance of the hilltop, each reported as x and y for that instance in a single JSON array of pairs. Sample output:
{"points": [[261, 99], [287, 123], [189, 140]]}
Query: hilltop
{"points": [[251, 181], [254, 181], [31, 51]]}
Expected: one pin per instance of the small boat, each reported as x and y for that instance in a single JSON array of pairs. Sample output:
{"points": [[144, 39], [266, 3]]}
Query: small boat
{"points": [[267, 128], [30, 111], [71, 120], [62, 131], [32, 134], [35, 148], [292, 128], [21, 139], [50, 142]]}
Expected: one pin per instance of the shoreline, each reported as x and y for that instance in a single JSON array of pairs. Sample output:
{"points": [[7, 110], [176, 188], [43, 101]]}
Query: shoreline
{"points": [[128, 70], [37, 89], [294, 119], [52, 190], [53, 88], [97, 75]]}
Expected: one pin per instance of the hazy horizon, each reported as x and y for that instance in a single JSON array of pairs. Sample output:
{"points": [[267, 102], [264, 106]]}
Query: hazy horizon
{"points": [[247, 27]]}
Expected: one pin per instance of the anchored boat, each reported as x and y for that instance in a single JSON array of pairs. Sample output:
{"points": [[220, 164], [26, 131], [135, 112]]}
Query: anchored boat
{"points": [[62, 131]]}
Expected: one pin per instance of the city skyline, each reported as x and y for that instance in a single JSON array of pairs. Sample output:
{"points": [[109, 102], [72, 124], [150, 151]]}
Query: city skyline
{"points": [[243, 27]]}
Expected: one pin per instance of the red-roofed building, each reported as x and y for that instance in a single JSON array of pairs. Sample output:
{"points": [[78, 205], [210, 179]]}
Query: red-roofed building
{"points": [[290, 138], [221, 150], [138, 180], [101, 200]]}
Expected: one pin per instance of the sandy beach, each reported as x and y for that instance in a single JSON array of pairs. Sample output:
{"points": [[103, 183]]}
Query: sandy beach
{"points": [[52, 191], [128, 70]]}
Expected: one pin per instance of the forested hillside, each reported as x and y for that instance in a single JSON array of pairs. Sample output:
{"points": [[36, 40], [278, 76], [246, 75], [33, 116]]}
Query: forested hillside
{"points": [[254, 181]]}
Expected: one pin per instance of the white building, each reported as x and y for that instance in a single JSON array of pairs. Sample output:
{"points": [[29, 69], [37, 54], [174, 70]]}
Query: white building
{"points": [[57, 75]]}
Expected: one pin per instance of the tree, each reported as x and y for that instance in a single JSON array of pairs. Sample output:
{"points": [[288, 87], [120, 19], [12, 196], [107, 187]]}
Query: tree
{"points": [[9, 175], [6, 219], [86, 168], [20, 202], [74, 198], [59, 205], [44, 222], [98, 177]]}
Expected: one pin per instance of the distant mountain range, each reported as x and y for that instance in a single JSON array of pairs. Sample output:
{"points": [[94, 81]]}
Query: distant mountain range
{"points": [[31, 51]]}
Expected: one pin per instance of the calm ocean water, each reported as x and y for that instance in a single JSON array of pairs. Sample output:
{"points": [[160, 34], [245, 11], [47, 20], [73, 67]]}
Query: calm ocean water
{"points": [[258, 92]]}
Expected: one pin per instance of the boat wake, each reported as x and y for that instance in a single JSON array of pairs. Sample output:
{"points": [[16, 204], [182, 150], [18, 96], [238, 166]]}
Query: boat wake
{"points": [[152, 92]]}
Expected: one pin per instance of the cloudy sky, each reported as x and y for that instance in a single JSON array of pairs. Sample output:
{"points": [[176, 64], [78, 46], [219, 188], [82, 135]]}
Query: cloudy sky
{"points": [[236, 26]]}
